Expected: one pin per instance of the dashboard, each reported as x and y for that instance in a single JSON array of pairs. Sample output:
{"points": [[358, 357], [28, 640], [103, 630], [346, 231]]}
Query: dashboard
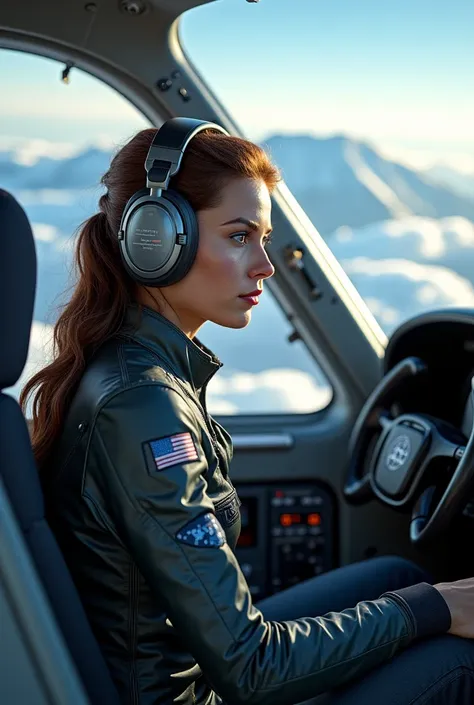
{"points": [[287, 535], [444, 340], [289, 530]]}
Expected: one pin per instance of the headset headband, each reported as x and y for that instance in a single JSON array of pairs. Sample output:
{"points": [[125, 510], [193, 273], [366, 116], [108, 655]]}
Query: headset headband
{"points": [[166, 151]]}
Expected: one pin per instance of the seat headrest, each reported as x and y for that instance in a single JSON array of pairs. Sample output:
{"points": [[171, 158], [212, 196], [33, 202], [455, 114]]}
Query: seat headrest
{"points": [[17, 288]]}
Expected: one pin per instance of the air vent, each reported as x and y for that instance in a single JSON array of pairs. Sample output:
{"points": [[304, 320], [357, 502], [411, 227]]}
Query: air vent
{"points": [[133, 7]]}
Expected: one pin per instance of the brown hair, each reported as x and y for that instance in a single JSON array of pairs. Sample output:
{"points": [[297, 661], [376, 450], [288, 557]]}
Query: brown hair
{"points": [[103, 291]]}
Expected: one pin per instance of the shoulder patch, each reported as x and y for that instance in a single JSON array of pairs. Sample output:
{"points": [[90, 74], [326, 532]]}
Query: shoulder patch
{"points": [[173, 450], [204, 531]]}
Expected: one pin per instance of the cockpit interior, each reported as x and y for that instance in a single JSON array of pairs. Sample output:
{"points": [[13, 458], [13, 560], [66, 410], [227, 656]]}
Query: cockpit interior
{"points": [[384, 466]]}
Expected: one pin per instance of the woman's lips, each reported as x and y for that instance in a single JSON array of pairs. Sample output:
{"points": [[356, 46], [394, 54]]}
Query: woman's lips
{"points": [[252, 297], [252, 300]]}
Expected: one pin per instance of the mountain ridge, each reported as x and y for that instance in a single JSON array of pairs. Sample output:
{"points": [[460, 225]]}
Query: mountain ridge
{"points": [[341, 181], [337, 180]]}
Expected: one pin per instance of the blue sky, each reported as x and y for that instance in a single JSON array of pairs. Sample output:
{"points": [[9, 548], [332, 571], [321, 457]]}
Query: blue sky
{"points": [[399, 74]]}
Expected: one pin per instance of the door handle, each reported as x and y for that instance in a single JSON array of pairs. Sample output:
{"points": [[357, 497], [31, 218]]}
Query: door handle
{"points": [[262, 441], [294, 258]]}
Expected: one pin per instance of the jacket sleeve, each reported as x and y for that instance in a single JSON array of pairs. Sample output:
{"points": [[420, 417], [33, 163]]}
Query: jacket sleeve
{"points": [[147, 448]]}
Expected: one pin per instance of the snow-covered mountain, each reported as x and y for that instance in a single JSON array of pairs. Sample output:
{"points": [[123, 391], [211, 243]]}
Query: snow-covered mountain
{"points": [[406, 242], [80, 171], [340, 181], [461, 182]]}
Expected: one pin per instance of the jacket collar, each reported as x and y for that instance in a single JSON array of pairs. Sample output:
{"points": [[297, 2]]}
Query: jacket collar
{"points": [[192, 360]]}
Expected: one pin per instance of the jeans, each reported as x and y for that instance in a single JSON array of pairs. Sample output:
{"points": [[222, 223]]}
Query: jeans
{"points": [[435, 671]]}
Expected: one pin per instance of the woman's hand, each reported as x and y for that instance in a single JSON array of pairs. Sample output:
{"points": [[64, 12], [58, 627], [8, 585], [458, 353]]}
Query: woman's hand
{"points": [[459, 597]]}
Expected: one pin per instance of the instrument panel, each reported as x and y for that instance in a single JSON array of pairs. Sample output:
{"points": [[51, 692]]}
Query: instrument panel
{"points": [[287, 535]]}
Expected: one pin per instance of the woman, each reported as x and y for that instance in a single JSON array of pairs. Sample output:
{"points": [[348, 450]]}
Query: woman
{"points": [[136, 472]]}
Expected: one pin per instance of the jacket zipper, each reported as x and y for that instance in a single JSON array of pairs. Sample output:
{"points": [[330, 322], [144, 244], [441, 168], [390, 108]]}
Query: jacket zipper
{"points": [[201, 406], [207, 419]]}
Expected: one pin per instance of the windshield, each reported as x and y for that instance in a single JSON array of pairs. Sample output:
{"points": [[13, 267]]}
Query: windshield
{"points": [[368, 109]]}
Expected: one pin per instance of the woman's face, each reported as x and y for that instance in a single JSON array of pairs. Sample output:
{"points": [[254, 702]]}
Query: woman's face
{"points": [[231, 261]]}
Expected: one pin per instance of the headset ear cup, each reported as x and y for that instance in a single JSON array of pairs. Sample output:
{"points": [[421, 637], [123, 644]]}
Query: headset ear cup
{"points": [[135, 236], [121, 239], [131, 201], [187, 253], [191, 230]]}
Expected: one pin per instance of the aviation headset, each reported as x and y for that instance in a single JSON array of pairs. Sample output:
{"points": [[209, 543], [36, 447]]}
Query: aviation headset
{"points": [[159, 233]]}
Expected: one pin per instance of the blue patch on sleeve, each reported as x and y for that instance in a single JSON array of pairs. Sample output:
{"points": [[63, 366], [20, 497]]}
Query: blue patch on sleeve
{"points": [[204, 531]]}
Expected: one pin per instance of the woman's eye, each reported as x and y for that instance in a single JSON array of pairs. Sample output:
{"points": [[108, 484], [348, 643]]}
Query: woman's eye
{"points": [[240, 235], [242, 238], [267, 240]]}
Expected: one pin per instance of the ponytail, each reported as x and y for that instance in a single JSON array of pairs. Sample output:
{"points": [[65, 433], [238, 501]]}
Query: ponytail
{"points": [[94, 314]]}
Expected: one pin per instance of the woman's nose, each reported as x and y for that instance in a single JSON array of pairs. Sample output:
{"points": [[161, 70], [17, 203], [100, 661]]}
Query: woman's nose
{"points": [[263, 268]]}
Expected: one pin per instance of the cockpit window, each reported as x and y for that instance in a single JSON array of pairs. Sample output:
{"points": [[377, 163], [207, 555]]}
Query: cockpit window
{"points": [[57, 141], [368, 110]]}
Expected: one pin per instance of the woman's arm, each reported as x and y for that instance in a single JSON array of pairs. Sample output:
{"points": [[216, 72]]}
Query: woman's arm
{"points": [[147, 457]]}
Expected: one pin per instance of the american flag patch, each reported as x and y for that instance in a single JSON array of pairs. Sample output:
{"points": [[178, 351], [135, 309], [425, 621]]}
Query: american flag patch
{"points": [[173, 450]]}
